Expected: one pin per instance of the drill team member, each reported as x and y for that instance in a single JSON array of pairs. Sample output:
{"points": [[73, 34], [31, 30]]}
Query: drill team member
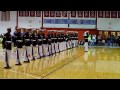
{"points": [[7, 45], [53, 40], [49, 43], [18, 43], [40, 43], [44, 45], [67, 39], [34, 43], [56, 42], [28, 49], [86, 34], [76, 38]]}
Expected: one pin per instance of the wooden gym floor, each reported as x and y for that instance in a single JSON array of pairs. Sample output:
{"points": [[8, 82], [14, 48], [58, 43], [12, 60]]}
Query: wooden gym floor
{"points": [[98, 63]]}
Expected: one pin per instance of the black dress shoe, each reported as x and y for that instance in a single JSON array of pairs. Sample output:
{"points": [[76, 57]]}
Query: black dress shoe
{"points": [[26, 61], [32, 59], [18, 64], [38, 57], [7, 67]]}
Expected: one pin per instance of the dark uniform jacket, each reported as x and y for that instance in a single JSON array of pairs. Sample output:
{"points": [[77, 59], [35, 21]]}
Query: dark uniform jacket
{"points": [[7, 41], [66, 37], [18, 41], [39, 39], [27, 39], [52, 38], [49, 38], [44, 39], [33, 39], [56, 38]]}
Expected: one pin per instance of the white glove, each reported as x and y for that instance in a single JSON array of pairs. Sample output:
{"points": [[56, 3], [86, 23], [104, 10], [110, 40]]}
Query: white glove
{"points": [[4, 50], [14, 49]]}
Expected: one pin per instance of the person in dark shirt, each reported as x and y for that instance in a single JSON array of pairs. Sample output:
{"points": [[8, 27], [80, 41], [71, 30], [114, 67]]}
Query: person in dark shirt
{"points": [[108, 40], [119, 40]]}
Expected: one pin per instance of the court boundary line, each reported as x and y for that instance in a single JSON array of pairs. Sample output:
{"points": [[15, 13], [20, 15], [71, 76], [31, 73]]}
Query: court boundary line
{"points": [[26, 74], [61, 66]]}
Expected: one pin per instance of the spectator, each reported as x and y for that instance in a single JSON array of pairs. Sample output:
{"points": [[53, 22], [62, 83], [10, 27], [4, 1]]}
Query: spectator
{"points": [[99, 39], [94, 39], [119, 40], [103, 39], [108, 40]]}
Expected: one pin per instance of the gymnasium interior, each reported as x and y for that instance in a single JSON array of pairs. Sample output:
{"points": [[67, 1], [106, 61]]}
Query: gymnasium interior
{"points": [[100, 61]]}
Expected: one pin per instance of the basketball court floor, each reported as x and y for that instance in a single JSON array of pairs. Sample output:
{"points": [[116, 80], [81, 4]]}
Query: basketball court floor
{"points": [[98, 63]]}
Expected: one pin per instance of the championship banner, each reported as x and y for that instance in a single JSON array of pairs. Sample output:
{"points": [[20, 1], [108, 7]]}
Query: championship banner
{"points": [[49, 21], [58, 13], [82, 22], [64, 14], [113, 14], [38, 13], [92, 14], [107, 14], [26, 13], [73, 13], [32, 13], [100, 14], [86, 14], [52, 13], [70, 21], [61, 21], [118, 14], [79, 13], [21, 14], [46, 13]]}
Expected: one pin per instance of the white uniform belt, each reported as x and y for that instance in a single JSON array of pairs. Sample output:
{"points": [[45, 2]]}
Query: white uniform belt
{"points": [[27, 39], [49, 39], [39, 40], [9, 41], [44, 39], [19, 40], [33, 40]]}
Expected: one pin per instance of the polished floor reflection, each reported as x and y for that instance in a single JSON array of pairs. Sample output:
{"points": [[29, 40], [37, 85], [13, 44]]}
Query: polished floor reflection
{"points": [[97, 63]]}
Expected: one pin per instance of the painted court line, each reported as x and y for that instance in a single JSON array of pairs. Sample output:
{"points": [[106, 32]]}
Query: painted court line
{"points": [[25, 74], [60, 67]]}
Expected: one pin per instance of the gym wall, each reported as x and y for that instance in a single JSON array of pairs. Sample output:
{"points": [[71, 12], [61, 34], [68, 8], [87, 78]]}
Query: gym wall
{"points": [[64, 20]]}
